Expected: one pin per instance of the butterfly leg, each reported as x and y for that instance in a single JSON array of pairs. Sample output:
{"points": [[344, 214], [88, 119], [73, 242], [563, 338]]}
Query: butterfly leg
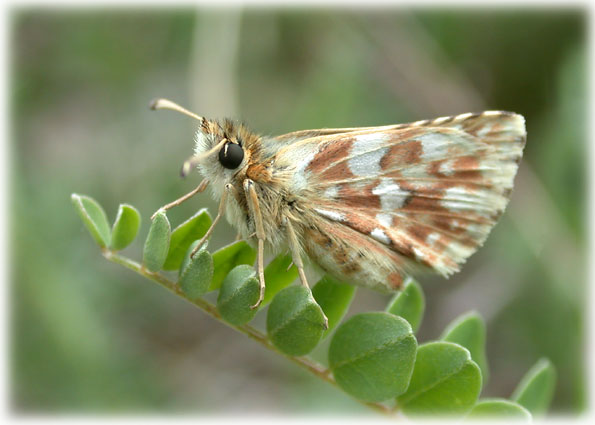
{"points": [[297, 260], [220, 212], [252, 198], [200, 188]]}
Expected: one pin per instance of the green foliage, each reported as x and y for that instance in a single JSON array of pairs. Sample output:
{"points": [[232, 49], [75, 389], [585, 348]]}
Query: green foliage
{"points": [[196, 273], [238, 293], [536, 389], [499, 408], [192, 229], [157, 243], [125, 227], [409, 303], [294, 321], [468, 330], [229, 256], [372, 356], [445, 381], [93, 217]]}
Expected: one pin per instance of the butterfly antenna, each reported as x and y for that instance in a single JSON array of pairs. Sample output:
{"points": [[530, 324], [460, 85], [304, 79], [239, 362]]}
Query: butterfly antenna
{"points": [[191, 162], [172, 106]]}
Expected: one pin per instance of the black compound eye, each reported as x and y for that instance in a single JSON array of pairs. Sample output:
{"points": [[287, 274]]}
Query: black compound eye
{"points": [[231, 155]]}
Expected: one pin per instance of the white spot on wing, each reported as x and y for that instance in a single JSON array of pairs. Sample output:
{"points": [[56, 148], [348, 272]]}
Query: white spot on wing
{"points": [[391, 195], [457, 198], [419, 254], [433, 145], [300, 179], [446, 168], [366, 153], [331, 192], [385, 219], [432, 238], [380, 236], [333, 215]]}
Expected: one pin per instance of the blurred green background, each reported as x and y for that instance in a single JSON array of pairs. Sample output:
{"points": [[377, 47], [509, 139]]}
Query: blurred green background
{"points": [[90, 336]]}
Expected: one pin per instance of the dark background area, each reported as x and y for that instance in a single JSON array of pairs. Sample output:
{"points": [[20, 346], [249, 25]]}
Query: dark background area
{"points": [[89, 336]]}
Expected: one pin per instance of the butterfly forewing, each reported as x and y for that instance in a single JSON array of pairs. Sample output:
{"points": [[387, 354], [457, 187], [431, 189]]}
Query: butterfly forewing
{"points": [[430, 191]]}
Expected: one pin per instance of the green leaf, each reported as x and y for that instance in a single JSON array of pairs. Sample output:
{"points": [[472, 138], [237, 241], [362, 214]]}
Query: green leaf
{"points": [[227, 258], [445, 381], [372, 355], [277, 276], [192, 229], [409, 303], [498, 408], [125, 227], [334, 298], [469, 331], [196, 273], [239, 291], [157, 243], [536, 389], [294, 321], [93, 217]]}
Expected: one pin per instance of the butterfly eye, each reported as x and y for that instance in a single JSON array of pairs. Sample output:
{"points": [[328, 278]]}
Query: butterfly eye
{"points": [[231, 155]]}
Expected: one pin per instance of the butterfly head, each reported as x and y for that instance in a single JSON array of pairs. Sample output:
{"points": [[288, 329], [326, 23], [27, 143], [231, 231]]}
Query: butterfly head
{"points": [[221, 149]]}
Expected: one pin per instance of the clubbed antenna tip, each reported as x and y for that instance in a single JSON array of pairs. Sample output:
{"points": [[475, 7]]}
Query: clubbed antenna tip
{"points": [[161, 103], [186, 168]]}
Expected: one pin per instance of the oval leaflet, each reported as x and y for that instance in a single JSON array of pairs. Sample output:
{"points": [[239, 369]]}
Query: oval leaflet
{"points": [[372, 355]]}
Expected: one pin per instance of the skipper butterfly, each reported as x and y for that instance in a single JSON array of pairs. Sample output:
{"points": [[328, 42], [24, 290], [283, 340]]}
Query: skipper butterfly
{"points": [[366, 205]]}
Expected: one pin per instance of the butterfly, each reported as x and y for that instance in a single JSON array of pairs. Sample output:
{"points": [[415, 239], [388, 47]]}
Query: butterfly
{"points": [[367, 205]]}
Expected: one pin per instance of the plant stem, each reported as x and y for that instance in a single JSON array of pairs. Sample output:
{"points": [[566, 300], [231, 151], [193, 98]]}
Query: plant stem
{"points": [[304, 362]]}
